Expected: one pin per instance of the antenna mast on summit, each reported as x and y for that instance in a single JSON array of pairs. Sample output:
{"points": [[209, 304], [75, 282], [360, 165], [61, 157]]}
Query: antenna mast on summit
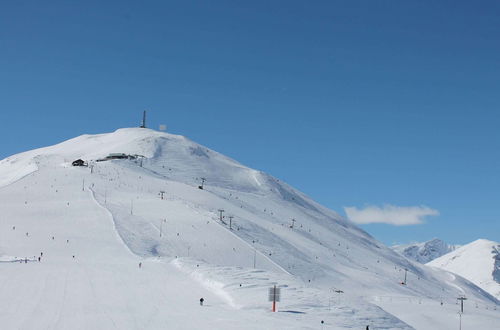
{"points": [[143, 125]]}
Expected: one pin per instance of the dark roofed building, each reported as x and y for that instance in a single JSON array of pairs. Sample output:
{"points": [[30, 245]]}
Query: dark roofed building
{"points": [[78, 162]]}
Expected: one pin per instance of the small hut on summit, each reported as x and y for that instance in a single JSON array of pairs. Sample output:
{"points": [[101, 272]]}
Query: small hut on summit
{"points": [[78, 162]]}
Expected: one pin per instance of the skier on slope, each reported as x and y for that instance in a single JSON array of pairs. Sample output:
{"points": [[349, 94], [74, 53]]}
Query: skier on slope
{"points": [[201, 301]]}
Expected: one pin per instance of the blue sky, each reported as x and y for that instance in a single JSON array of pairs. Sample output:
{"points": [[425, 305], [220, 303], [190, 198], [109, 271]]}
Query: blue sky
{"points": [[362, 104]]}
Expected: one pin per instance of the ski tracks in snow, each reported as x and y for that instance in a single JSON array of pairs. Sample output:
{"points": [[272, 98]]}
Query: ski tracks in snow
{"points": [[211, 285]]}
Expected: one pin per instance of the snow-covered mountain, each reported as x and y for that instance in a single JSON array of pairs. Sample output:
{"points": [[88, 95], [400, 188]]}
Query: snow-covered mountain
{"points": [[244, 232], [426, 251], [479, 262]]}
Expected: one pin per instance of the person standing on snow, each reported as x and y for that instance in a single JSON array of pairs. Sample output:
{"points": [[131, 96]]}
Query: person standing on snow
{"points": [[201, 301]]}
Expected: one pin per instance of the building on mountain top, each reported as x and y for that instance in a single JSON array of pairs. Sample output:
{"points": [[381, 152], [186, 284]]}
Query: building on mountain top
{"points": [[79, 162]]}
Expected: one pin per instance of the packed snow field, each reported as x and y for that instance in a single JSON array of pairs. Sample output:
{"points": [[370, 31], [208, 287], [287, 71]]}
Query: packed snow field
{"points": [[134, 244]]}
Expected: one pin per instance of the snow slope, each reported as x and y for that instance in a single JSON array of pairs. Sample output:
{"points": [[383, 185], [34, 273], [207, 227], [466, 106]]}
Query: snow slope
{"points": [[110, 217], [479, 262], [426, 251]]}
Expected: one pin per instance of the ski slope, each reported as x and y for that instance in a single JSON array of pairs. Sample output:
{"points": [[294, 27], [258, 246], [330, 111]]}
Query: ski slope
{"points": [[95, 225]]}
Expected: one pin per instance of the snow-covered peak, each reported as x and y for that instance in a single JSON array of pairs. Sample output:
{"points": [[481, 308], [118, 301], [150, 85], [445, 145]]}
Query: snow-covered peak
{"points": [[479, 262], [172, 156], [151, 144], [425, 251], [138, 141]]}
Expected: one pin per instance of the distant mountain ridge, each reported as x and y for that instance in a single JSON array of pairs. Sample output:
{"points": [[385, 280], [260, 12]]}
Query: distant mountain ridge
{"points": [[426, 251]]}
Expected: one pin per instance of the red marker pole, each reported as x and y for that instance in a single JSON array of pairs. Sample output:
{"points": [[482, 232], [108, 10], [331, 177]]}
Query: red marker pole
{"points": [[274, 299], [274, 296]]}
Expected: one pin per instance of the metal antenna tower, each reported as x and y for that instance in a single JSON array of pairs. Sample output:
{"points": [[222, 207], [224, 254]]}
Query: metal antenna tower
{"points": [[143, 125]]}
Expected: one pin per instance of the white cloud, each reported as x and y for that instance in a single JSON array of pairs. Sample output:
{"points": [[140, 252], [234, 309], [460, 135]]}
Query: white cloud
{"points": [[390, 214]]}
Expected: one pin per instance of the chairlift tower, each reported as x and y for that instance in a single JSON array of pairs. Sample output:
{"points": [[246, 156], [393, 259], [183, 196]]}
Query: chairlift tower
{"points": [[461, 298], [202, 183], [221, 217]]}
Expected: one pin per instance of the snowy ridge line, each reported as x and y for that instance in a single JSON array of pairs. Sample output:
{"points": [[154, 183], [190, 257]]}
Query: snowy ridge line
{"points": [[92, 194], [425, 252], [20, 178], [210, 284]]}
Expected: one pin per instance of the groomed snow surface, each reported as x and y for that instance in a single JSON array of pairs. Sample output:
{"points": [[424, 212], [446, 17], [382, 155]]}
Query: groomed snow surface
{"points": [[93, 226]]}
